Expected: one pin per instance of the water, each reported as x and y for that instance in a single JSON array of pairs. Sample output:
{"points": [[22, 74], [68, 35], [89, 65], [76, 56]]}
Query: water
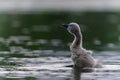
{"points": [[34, 66]]}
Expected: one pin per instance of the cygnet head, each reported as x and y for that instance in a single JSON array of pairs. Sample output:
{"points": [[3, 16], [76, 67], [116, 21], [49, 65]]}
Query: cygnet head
{"points": [[73, 28]]}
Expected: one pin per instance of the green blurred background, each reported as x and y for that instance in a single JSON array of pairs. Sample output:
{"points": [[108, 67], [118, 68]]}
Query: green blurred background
{"points": [[36, 24], [43, 30]]}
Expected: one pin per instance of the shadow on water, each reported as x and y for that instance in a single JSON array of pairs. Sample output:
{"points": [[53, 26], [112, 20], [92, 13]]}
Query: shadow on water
{"points": [[26, 78], [77, 72]]}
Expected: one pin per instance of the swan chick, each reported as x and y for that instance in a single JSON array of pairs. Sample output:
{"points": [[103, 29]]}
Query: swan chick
{"points": [[80, 56]]}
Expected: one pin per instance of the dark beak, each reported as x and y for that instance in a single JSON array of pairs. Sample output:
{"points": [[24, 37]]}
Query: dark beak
{"points": [[65, 25]]}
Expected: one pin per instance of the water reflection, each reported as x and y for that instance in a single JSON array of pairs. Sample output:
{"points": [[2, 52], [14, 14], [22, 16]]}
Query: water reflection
{"points": [[77, 72]]}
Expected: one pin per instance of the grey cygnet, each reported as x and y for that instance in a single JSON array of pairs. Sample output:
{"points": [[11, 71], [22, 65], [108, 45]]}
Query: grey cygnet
{"points": [[80, 56]]}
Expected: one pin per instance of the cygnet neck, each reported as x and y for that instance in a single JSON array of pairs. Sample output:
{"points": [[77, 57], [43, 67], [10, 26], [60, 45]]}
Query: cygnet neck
{"points": [[77, 42]]}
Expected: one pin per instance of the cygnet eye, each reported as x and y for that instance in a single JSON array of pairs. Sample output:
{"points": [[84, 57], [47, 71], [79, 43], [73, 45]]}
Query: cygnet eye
{"points": [[70, 28]]}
